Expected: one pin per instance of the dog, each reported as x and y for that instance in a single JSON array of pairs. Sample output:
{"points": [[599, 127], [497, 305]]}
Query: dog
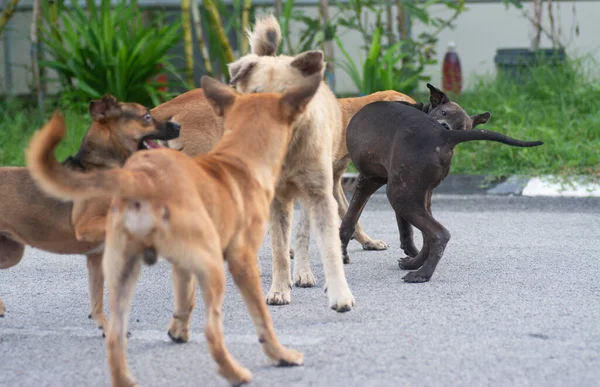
{"points": [[307, 173], [440, 108], [196, 212], [399, 145], [31, 217], [201, 129]]}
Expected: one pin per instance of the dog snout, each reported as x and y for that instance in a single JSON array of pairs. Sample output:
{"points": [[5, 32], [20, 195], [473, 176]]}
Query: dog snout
{"points": [[174, 126]]}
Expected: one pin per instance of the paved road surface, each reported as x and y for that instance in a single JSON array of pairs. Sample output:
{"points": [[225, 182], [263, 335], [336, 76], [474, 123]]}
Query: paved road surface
{"points": [[515, 301]]}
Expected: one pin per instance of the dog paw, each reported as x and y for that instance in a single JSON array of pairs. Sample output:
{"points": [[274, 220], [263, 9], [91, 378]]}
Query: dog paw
{"points": [[304, 279], [290, 358], [416, 277], [408, 263], [345, 258], [374, 245], [238, 376], [177, 332], [340, 300], [291, 253], [279, 297]]}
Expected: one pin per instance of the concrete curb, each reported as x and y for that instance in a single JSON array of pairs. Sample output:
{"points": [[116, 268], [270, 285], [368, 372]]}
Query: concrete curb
{"points": [[460, 184]]}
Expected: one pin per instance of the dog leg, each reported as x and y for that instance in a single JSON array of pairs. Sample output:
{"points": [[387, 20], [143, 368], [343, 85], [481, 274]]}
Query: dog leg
{"points": [[247, 280], [364, 189], [96, 290], [407, 243], [415, 258], [323, 217], [280, 229], [211, 276], [11, 253], [360, 236], [303, 275], [122, 272], [435, 236], [184, 294]]}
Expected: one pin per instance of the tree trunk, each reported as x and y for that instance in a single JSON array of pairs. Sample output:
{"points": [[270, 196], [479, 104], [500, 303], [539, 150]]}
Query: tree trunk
{"points": [[187, 41], [327, 44], [7, 13], [200, 36], [278, 8], [212, 10], [245, 23], [35, 68], [537, 16]]}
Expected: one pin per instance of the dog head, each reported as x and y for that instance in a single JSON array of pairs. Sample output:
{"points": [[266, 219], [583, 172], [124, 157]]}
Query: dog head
{"points": [[262, 71], [449, 113], [261, 111], [118, 130]]}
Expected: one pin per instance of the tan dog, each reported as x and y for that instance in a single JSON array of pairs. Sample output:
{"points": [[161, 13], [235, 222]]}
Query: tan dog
{"points": [[201, 129], [307, 173], [30, 217], [196, 212]]}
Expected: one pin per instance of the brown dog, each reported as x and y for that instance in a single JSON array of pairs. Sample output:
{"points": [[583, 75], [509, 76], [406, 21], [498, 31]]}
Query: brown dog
{"points": [[201, 130], [30, 217], [196, 212]]}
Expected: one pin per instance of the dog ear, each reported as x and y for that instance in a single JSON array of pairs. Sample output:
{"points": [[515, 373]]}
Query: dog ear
{"points": [[240, 70], [105, 108], [436, 96], [480, 118], [296, 98], [309, 62], [219, 95]]}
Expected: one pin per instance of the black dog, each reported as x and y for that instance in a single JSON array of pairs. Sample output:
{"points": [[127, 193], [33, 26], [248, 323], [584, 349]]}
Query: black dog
{"points": [[399, 145]]}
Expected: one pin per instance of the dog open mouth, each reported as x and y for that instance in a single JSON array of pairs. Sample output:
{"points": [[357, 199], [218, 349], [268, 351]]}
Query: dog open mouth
{"points": [[150, 144]]}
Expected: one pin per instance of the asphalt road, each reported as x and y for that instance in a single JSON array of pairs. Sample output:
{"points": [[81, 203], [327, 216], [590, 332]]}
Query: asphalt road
{"points": [[515, 301]]}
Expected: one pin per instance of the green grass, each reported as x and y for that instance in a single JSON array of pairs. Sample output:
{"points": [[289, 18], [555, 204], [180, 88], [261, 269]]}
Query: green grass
{"points": [[558, 106], [19, 122]]}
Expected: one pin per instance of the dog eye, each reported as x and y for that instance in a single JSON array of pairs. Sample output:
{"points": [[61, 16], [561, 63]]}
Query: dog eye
{"points": [[444, 113], [147, 117]]}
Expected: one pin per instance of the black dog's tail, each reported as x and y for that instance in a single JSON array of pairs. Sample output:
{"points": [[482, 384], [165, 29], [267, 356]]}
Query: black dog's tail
{"points": [[457, 136]]}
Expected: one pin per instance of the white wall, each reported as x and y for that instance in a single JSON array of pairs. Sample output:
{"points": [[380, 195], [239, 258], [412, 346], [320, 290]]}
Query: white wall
{"points": [[479, 31]]}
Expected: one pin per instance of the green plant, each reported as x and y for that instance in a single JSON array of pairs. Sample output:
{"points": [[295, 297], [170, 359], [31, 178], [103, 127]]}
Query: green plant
{"points": [[20, 121], [311, 36], [380, 68], [537, 109], [554, 33], [109, 50], [404, 57]]}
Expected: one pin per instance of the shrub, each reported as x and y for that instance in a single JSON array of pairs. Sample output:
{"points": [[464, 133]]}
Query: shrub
{"points": [[108, 51]]}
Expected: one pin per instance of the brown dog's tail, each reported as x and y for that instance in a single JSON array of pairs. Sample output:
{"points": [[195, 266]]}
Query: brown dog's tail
{"points": [[66, 184], [457, 136]]}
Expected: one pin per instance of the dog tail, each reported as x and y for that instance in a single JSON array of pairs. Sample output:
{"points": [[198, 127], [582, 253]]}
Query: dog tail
{"points": [[458, 136], [266, 37], [66, 184]]}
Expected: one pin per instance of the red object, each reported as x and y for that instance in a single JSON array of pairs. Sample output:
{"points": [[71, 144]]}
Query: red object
{"points": [[451, 72], [162, 79]]}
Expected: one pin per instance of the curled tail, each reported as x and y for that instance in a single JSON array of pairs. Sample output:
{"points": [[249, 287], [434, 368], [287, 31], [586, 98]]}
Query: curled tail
{"points": [[266, 37], [64, 183], [458, 136]]}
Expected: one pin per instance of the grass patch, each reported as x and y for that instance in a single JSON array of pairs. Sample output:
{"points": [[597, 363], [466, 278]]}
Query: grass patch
{"points": [[19, 122], [556, 105]]}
